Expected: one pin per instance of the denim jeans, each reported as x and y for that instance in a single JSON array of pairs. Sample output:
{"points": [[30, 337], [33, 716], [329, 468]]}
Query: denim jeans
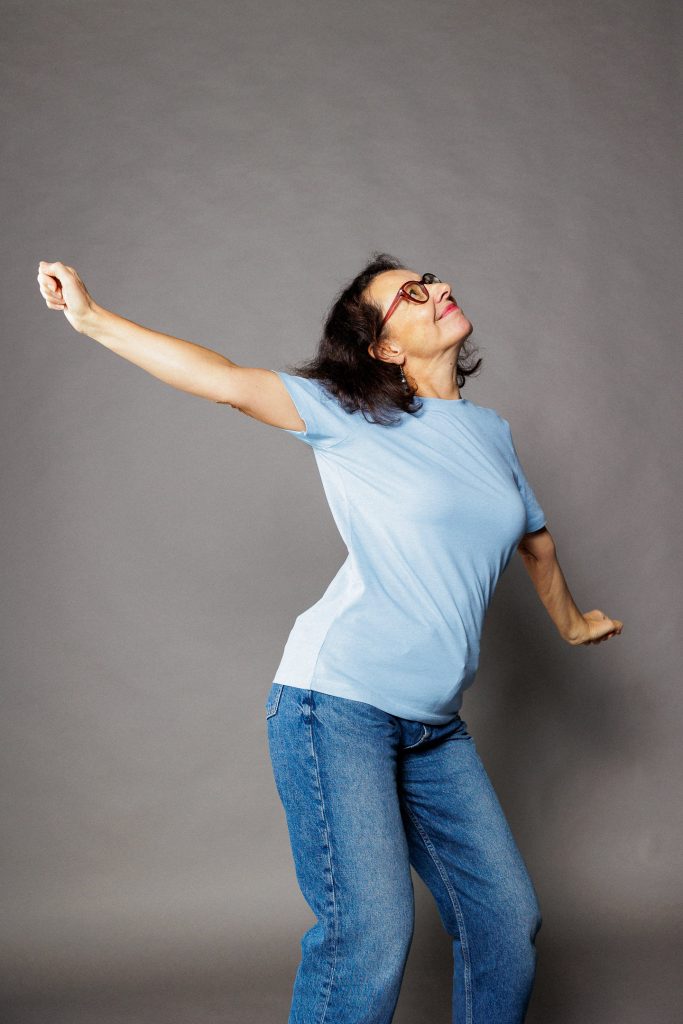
{"points": [[366, 795]]}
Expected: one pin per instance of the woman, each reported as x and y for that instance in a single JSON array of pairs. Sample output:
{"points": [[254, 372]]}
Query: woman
{"points": [[375, 767]]}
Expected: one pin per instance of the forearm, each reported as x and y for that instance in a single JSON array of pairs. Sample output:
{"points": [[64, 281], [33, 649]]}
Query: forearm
{"points": [[182, 364], [551, 586]]}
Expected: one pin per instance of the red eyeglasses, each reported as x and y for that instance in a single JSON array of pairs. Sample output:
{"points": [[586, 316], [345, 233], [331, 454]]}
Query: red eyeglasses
{"points": [[413, 291]]}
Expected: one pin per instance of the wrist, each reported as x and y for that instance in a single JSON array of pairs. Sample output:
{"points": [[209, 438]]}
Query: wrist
{"points": [[575, 633], [90, 321]]}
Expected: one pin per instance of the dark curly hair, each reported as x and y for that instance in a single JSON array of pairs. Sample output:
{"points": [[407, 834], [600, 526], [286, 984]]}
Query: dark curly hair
{"points": [[346, 368]]}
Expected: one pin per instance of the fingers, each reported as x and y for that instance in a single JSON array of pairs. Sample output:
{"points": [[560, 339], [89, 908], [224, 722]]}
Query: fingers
{"points": [[52, 295], [611, 627], [605, 636], [618, 626], [50, 286], [50, 267]]}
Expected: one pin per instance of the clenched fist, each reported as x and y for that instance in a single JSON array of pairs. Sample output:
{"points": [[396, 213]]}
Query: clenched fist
{"points": [[62, 288], [597, 627]]}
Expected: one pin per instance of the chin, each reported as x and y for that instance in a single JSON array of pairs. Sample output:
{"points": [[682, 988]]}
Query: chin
{"points": [[464, 329]]}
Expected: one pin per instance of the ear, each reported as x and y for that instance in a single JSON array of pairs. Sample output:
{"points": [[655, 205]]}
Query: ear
{"points": [[384, 351]]}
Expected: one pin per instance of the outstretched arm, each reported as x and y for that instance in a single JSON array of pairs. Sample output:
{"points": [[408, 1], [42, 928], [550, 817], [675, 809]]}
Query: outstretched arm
{"points": [[200, 371], [540, 560]]}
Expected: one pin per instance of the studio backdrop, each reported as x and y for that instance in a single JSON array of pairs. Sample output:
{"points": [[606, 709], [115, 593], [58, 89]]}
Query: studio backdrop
{"points": [[217, 171]]}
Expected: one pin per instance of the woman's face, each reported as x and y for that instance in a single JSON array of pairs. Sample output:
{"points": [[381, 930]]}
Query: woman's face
{"points": [[422, 329]]}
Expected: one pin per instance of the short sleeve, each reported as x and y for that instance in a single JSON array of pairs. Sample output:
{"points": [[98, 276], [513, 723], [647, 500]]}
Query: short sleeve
{"points": [[327, 422], [535, 516]]}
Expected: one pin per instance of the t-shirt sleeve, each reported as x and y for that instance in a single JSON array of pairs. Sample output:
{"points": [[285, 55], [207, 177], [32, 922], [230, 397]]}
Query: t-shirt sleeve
{"points": [[535, 516], [327, 423]]}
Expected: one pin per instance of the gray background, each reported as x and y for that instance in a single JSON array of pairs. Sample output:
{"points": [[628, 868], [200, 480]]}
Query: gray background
{"points": [[217, 171]]}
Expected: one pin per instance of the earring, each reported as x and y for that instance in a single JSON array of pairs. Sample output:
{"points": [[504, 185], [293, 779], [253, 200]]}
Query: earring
{"points": [[403, 376]]}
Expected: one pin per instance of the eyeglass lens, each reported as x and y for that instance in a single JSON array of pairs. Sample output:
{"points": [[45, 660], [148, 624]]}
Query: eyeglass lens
{"points": [[415, 289]]}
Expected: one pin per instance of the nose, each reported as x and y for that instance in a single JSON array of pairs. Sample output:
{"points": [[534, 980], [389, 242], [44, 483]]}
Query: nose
{"points": [[442, 291]]}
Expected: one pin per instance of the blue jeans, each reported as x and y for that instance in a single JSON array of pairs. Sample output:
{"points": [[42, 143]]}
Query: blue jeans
{"points": [[366, 794]]}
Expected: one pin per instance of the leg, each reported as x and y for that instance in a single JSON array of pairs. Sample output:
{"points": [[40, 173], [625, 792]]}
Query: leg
{"points": [[334, 763], [462, 847]]}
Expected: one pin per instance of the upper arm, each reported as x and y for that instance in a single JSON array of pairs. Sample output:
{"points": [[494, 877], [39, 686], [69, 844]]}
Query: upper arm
{"points": [[260, 393], [300, 405]]}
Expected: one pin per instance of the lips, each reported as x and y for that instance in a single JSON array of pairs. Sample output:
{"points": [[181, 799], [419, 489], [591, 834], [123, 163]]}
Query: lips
{"points": [[449, 309]]}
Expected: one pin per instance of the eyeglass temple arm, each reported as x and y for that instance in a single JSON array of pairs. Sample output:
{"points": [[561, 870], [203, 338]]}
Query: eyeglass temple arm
{"points": [[392, 307]]}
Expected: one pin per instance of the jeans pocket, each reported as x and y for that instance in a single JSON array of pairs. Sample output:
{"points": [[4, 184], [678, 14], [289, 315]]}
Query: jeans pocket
{"points": [[273, 699]]}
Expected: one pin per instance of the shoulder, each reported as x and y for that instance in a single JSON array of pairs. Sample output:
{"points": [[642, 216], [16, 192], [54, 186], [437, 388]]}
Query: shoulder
{"points": [[326, 422], [496, 428], [306, 383], [311, 386], [491, 417]]}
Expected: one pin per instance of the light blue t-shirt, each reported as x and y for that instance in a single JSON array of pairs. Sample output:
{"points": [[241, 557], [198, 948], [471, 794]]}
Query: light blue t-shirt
{"points": [[431, 510]]}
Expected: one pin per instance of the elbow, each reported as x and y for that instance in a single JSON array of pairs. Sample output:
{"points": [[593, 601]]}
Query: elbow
{"points": [[538, 546]]}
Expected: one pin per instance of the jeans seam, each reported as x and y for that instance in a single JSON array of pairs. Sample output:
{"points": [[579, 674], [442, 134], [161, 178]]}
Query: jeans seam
{"points": [[329, 860], [416, 744], [431, 850], [271, 708]]}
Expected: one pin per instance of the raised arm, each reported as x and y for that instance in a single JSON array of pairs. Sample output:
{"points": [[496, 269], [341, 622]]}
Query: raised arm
{"points": [[540, 559], [200, 371]]}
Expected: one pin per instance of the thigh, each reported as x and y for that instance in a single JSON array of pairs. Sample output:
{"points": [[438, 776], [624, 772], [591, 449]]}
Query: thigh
{"points": [[460, 841], [334, 764]]}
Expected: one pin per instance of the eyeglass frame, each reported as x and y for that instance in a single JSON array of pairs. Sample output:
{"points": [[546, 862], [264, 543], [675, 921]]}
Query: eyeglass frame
{"points": [[402, 294]]}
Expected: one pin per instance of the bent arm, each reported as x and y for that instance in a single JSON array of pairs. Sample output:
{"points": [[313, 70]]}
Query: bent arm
{"points": [[540, 560], [190, 367]]}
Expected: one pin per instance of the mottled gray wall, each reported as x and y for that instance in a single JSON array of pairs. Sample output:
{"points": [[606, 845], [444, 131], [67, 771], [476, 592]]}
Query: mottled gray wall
{"points": [[216, 171]]}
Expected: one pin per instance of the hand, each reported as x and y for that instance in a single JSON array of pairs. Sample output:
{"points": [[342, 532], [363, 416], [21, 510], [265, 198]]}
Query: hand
{"points": [[596, 627], [62, 288]]}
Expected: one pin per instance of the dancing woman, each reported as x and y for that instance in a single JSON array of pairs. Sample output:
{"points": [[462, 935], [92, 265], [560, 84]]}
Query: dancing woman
{"points": [[374, 765]]}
